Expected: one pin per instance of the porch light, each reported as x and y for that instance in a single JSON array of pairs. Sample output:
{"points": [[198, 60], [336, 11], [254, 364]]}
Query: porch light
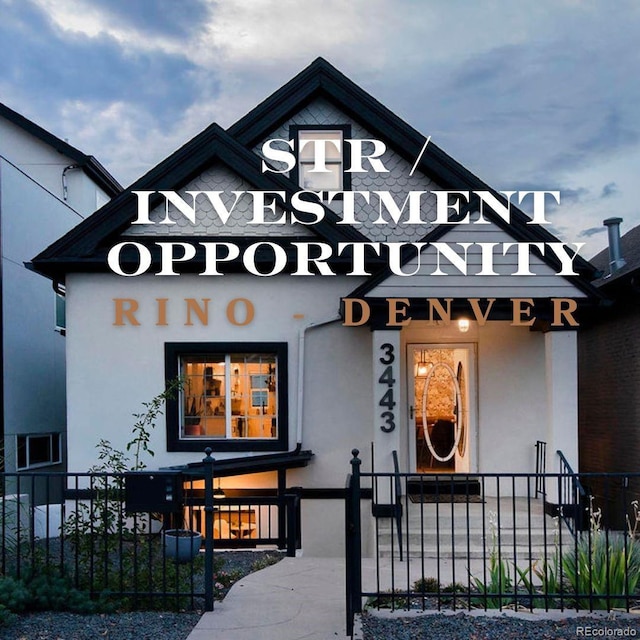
{"points": [[422, 368], [463, 325], [219, 494]]}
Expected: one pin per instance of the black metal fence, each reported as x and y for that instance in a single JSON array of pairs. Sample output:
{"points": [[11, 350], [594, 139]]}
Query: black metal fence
{"points": [[138, 539], [486, 541]]}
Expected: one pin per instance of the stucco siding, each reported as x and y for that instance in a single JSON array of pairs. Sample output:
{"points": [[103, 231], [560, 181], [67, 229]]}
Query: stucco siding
{"points": [[128, 361]]}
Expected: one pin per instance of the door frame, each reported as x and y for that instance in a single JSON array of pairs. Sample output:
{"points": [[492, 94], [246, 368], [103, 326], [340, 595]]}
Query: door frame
{"points": [[472, 400]]}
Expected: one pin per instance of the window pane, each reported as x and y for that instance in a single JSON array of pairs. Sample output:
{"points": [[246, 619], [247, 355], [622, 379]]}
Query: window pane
{"points": [[39, 450], [332, 150], [321, 181], [61, 320], [22, 452], [331, 179], [219, 393]]}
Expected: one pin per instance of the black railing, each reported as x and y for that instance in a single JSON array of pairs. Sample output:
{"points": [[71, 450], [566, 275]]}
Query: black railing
{"points": [[397, 503], [147, 539], [485, 541], [573, 501], [541, 467], [353, 543]]}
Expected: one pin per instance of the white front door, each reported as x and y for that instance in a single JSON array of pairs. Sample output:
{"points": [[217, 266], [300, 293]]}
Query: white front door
{"points": [[441, 397]]}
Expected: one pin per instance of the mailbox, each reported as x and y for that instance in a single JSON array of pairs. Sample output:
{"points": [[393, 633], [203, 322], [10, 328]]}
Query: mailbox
{"points": [[153, 491]]}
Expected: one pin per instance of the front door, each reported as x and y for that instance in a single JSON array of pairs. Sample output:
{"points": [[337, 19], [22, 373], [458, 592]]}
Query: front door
{"points": [[441, 417]]}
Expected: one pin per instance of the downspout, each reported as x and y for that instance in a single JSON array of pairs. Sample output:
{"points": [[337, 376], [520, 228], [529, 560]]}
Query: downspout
{"points": [[301, 344], [65, 188]]}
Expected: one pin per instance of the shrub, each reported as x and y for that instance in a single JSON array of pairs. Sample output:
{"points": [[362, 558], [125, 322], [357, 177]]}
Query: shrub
{"points": [[426, 585], [14, 594]]}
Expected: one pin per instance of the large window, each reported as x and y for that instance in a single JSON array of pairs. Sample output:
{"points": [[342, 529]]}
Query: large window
{"points": [[233, 396], [38, 450], [322, 157]]}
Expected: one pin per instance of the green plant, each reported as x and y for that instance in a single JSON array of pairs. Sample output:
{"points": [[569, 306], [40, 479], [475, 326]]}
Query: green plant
{"points": [[53, 592], [109, 545], [500, 582], [426, 585], [6, 616], [265, 561], [389, 600], [450, 593], [224, 580], [602, 563], [14, 595]]}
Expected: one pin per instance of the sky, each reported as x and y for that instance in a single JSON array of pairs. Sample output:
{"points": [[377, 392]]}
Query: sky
{"points": [[527, 95]]}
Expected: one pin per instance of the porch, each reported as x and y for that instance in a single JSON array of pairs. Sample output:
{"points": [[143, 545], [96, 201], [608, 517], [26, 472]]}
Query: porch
{"points": [[492, 541]]}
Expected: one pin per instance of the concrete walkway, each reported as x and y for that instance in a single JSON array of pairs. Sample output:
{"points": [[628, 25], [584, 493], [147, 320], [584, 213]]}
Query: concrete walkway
{"points": [[298, 598]]}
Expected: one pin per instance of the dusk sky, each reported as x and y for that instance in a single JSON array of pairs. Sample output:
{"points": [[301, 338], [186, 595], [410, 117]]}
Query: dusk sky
{"points": [[527, 95]]}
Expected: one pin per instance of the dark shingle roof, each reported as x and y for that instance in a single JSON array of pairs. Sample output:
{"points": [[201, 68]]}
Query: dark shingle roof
{"points": [[630, 247]]}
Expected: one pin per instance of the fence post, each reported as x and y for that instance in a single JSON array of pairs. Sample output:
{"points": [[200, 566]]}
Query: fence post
{"points": [[293, 506], [353, 559], [208, 530]]}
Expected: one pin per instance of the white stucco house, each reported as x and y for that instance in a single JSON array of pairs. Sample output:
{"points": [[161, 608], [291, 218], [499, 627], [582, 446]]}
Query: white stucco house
{"points": [[301, 366], [46, 188]]}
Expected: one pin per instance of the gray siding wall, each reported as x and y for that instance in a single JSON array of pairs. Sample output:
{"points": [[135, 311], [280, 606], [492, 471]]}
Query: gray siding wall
{"points": [[34, 360]]}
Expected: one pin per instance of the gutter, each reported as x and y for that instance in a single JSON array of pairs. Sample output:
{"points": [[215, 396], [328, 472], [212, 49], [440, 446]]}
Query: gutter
{"points": [[300, 385]]}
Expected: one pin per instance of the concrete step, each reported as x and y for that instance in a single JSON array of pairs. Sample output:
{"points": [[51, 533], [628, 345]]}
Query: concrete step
{"points": [[522, 554], [465, 530]]}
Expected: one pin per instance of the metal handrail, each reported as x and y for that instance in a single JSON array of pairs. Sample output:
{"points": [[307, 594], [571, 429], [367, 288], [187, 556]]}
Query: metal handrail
{"points": [[572, 495], [398, 503], [541, 467]]}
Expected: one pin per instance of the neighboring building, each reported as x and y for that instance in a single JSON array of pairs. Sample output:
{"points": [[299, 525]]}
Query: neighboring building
{"points": [[269, 368], [609, 366], [46, 187]]}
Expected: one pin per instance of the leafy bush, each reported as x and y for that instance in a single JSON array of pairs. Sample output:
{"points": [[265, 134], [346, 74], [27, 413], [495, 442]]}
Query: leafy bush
{"points": [[500, 581], [51, 592], [265, 561], [426, 585], [43, 592], [6, 616], [602, 563], [14, 594]]}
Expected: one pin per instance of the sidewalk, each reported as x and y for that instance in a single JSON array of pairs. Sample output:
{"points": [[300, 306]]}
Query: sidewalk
{"points": [[294, 599]]}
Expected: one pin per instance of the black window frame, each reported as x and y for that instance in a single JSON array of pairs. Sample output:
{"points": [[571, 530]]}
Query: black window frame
{"points": [[175, 350], [294, 129]]}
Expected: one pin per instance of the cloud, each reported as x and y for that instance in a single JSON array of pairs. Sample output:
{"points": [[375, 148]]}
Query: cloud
{"points": [[511, 91], [592, 231]]}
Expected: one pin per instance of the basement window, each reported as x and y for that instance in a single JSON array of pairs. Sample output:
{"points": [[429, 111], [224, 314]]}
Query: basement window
{"points": [[38, 450]]}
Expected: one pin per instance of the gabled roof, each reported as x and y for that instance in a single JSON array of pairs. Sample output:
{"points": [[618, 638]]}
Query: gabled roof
{"points": [[321, 79], [519, 233], [88, 164], [81, 248], [84, 247]]}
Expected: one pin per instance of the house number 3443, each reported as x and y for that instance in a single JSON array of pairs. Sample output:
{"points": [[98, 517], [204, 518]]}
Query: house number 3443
{"points": [[387, 381]]}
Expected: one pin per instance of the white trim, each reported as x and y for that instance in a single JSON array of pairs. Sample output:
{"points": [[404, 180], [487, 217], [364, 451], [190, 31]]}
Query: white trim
{"points": [[472, 426]]}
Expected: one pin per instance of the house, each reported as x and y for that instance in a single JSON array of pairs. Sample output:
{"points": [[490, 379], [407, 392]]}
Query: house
{"points": [[46, 188], [609, 369], [290, 316]]}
